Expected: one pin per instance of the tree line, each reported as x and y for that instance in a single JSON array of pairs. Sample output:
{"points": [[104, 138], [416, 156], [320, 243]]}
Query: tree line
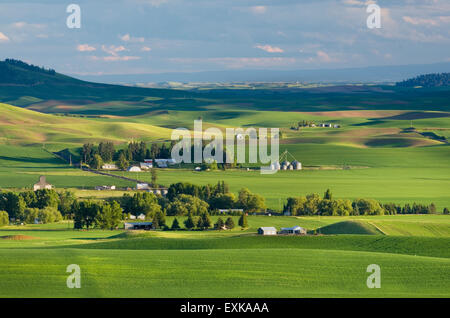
{"points": [[313, 204], [427, 80], [105, 152]]}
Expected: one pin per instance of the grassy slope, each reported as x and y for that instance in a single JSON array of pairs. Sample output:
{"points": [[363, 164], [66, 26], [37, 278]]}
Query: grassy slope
{"points": [[239, 273], [190, 264]]}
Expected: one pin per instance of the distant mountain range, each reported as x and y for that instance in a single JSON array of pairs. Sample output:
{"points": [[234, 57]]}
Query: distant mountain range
{"points": [[373, 74]]}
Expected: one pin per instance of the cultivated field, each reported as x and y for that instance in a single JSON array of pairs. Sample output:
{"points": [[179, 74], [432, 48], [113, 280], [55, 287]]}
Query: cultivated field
{"points": [[391, 147], [193, 264]]}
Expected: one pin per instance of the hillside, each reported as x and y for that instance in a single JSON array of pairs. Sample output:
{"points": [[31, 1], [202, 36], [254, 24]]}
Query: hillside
{"points": [[428, 80], [46, 128], [51, 92]]}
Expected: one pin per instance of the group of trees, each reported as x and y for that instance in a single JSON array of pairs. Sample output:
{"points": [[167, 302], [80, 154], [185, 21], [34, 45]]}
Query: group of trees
{"points": [[45, 205], [313, 204], [95, 156], [101, 214], [216, 196], [428, 80], [303, 123]]}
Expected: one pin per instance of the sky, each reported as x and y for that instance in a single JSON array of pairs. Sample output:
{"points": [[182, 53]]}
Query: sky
{"points": [[157, 36]]}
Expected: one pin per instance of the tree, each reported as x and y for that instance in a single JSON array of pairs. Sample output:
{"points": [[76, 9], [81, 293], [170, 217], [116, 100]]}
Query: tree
{"points": [[66, 199], [229, 223], [368, 207], [159, 220], [122, 162], [446, 211], [219, 224], [432, 209], [47, 198], [109, 216], [206, 221], [222, 201], [328, 195], [97, 162], [175, 225], [189, 222], [4, 218], [184, 204], [154, 176], [243, 221], [250, 202], [85, 213]]}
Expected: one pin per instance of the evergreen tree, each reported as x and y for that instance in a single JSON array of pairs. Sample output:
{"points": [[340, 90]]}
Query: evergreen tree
{"points": [[446, 211], [219, 224], [243, 221], [189, 222], [154, 176], [175, 225], [229, 223], [328, 195]]}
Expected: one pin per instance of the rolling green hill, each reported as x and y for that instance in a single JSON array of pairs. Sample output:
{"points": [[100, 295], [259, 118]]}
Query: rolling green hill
{"points": [[350, 227]]}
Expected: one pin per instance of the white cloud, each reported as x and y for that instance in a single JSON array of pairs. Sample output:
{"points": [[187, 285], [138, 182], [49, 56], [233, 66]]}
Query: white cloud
{"points": [[324, 57], [146, 49], [3, 37], [23, 25], [258, 9], [270, 49], [85, 48], [420, 21], [113, 50], [128, 38], [153, 3], [115, 58]]}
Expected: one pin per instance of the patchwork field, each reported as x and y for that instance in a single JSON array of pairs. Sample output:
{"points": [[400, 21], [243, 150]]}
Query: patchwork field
{"points": [[392, 146]]}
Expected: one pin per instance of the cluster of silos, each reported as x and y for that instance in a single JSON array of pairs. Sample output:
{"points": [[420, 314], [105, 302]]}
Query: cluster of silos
{"points": [[286, 165]]}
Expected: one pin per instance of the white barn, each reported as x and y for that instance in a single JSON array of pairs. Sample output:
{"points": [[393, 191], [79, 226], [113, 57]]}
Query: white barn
{"points": [[293, 230], [267, 231]]}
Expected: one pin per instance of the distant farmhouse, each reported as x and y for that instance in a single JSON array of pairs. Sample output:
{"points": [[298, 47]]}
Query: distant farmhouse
{"points": [[293, 230], [134, 169], [109, 166], [105, 187], [42, 184], [225, 211], [267, 231], [163, 163]]}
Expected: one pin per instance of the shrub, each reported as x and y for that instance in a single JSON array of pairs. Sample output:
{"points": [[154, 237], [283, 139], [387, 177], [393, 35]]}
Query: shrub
{"points": [[4, 218]]}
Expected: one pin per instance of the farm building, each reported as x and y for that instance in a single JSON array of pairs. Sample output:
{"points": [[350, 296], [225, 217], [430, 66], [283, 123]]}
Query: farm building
{"points": [[134, 169], [293, 230], [138, 226], [141, 216], [145, 165], [142, 186], [105, 187], [225, 211], [109, 166], [42, 184], [163, 163], [267, 231]]}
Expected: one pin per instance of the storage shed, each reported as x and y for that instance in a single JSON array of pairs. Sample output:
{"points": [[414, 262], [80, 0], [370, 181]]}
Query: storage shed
{"points": [[267, 231]]}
